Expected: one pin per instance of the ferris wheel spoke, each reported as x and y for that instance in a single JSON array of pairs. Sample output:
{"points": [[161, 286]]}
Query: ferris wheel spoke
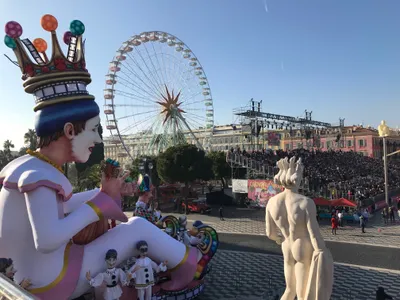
{"points": [[184, 104], [140, 122], [150, 89], [128, 83], [155, 85], [133, 105], [158, 61], [138, 114], [133, 96], [160, 81], [149, 85]]}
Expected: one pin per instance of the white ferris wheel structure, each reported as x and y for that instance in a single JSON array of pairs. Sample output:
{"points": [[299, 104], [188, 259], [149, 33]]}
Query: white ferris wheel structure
{"points": [[157, 91]]}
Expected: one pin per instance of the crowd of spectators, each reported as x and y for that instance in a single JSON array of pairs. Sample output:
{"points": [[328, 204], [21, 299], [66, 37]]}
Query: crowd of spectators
{"points": [[336, 174]]}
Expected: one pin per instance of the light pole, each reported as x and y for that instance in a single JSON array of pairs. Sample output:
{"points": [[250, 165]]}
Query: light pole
{"points": [[384, 132]]}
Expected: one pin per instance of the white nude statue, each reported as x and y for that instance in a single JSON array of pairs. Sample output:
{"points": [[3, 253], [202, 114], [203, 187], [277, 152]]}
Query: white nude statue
{"points": [[308, 264]]}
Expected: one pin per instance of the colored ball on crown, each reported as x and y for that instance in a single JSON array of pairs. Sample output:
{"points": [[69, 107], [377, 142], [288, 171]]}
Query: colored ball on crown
{"points": [[49, 23], [40, 45], [67, 37], [77, 27], [10, 43], [13, 29]]}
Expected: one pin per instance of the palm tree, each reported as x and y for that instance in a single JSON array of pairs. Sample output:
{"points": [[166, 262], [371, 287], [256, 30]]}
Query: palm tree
{"points": [[30, 139]]}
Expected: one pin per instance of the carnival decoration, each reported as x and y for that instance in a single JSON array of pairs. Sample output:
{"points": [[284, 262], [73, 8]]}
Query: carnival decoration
{"points": [[37, 201], [112, 277], [143, 271], [157, 92], [170, 224]]}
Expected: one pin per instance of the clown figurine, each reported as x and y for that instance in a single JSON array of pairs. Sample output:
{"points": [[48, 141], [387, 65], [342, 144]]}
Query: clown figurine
{"points": [[112, 277], [183, 235], [143, 273], [8, 270], [39, 213]]}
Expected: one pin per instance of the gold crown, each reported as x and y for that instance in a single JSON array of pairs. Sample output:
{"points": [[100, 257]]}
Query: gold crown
{"points": [[58, 79]]}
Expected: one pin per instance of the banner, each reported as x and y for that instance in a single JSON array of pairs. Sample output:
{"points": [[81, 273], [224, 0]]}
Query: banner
{"points": [[259, 191], [274, 139], [239, 186]]}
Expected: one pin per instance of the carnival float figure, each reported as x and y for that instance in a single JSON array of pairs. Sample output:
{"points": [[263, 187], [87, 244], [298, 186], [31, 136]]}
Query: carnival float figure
{"points": [[112, 277], [143, 272], [142, 208], [39, 213], [8, 270], [183, 235], [308, 264]]}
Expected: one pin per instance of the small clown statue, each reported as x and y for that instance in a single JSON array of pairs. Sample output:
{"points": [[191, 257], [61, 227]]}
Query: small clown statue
{"points": [[183, 235], [8, 270], [112, 277], [143, 273]]}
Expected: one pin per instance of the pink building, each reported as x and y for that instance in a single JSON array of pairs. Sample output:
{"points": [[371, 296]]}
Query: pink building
{"points": [[351, 138]]}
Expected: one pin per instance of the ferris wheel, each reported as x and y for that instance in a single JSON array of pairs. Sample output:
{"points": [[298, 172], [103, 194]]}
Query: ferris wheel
{"points": [[157, 95]]}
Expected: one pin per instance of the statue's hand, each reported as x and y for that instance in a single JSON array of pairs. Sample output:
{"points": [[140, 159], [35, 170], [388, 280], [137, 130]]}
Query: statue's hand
{"points": [[88, 277], [112, 186], [129, 276], [25, 283]]}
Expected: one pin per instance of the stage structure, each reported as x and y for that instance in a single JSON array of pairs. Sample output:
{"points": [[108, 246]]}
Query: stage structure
{"points": [[261, 129]]}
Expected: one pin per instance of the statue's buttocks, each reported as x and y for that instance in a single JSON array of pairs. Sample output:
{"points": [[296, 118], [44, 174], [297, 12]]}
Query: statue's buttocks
{"points": [[308, 264]]}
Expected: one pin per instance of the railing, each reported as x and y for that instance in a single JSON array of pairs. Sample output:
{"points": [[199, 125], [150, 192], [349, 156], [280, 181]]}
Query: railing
{"points": [[11, 291], [252, 164]]}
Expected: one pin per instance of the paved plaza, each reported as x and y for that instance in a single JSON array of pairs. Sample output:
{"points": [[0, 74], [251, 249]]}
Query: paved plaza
{"points": [[252, 222], [244, 275]]}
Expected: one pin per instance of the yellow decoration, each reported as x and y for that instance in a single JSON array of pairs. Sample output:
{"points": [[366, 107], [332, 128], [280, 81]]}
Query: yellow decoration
{"points": [[49, 23], [44, 158], [59, 277], [182, 261]]}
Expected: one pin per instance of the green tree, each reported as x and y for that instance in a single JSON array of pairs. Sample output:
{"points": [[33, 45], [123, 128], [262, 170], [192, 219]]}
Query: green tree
{"points": [[90, 179], [220, 168], [183, 163], [30, 139], [6, 154]]}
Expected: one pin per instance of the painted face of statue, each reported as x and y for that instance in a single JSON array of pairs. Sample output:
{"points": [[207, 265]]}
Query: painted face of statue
{"points": [[111, 262], [143, 251], [10, 271], [84, 142]]}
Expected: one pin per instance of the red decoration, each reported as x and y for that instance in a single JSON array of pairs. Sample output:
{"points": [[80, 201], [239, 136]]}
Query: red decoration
{"points": [[83, 65], [76, 66], [29, 70], [60, 64], [45, 70]]}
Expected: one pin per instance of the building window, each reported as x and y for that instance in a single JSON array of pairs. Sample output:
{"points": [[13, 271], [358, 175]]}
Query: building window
{"points": [[362, 143], [341, 144], [349, 143], [322, 145]]}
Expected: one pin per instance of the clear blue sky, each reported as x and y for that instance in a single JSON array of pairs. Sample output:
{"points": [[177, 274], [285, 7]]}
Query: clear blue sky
{"points": [[337, 58]]}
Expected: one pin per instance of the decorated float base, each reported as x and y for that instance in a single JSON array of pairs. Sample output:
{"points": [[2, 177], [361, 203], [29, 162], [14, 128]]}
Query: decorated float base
{"points": [[194, 290]]}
